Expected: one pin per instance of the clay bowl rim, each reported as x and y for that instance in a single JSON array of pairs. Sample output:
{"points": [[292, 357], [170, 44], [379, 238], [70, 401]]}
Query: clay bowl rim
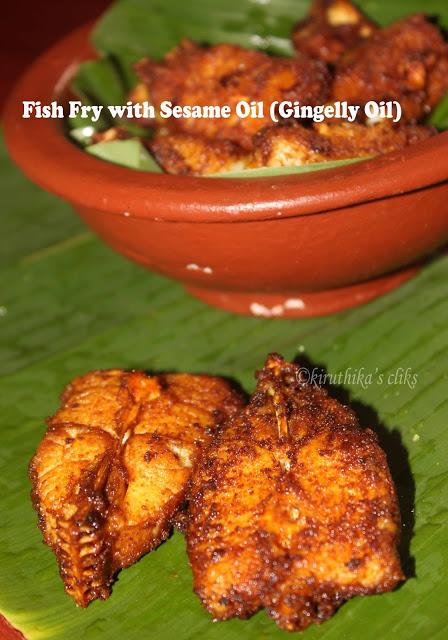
{"points": [[41, 149]]}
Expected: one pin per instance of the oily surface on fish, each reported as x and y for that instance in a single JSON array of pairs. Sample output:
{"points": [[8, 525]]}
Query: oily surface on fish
{"points": [[293, 509], [114, 465]]}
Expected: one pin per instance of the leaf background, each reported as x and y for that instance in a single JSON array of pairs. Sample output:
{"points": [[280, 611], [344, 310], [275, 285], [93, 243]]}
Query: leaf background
{"points": [[134, 28], [72, 305], [68, 304]]}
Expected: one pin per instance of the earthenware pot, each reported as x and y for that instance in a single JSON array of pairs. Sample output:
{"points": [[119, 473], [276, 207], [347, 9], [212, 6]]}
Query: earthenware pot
{"points": [[295, 245]]}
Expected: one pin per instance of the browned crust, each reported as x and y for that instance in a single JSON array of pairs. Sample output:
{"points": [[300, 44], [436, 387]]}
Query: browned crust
{"points": [[224, 74], [186, 154], [293, 509], [332, 28], [81, 549], [298, 145], [114, 466], [294, 145], [407, 61]]}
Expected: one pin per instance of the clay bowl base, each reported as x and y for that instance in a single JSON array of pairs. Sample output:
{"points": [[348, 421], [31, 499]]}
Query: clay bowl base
{"points": [[301, 305]]}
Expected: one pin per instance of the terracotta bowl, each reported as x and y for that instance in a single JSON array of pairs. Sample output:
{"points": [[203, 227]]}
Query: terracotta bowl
{"points": [[285, 246], [7, 632]]}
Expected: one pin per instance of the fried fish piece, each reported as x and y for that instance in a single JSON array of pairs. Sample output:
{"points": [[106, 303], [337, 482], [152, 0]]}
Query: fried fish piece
{"points": [[298, 145], [186, 154], [285, 146], [293, 508], [114, 465], [332, 28], [407, 61], [226, 74]]}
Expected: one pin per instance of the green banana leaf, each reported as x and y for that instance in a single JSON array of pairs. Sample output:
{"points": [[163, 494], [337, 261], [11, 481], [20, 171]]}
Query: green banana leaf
{"points": [[69, 304], [132, 29], [129, 153]]}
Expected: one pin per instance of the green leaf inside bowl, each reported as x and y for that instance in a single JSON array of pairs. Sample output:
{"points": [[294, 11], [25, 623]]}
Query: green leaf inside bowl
{"points": [[129, 153]]}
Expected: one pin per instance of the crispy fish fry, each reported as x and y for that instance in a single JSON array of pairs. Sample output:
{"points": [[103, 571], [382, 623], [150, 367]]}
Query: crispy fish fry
{"points": [[114, 465], [185, 154], [226, 74], [293, 508], [407, 61], [332, 28], [297, 145]]}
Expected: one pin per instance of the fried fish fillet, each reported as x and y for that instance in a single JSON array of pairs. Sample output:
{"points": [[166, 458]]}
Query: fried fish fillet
{"points": [[114, 465], [287, 146], [407, 61], [298, 145], [226, 74], [332, 28], [293, 508], [186, 154]]}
